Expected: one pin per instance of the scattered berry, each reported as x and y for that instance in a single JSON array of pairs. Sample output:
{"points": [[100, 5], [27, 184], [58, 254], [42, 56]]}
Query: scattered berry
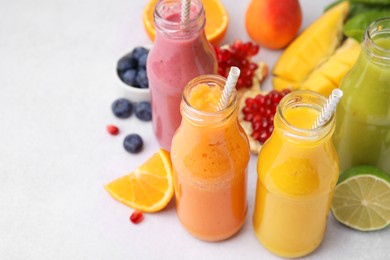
{"points": [[129, 77], [260, 111], [142, 79], [113, 130], [143, 111], [238, 54], [122, 108], [127, 62], [136, 217], [133, 143]]}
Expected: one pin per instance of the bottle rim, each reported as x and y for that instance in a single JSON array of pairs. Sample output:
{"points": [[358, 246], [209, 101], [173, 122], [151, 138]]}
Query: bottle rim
{"points": [[301, 98], [175, 29], [204, 118], [376, 29]]}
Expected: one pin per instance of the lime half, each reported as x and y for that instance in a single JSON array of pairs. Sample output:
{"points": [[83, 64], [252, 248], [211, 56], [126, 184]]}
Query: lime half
{"points": [[362, 198]]}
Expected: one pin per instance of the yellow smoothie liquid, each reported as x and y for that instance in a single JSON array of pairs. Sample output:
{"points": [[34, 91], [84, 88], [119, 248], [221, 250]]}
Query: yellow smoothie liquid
{"points": [[296, 179], [210, 162]]}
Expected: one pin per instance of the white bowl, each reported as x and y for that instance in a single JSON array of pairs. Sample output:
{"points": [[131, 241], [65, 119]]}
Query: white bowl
{"points": [[131, 93]]}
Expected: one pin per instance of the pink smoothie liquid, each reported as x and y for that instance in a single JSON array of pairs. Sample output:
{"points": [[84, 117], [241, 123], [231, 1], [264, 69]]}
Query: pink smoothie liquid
{"points": [[172, 63]]}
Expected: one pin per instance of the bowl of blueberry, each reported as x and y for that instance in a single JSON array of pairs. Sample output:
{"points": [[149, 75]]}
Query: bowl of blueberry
{"points": [[131, 70]]}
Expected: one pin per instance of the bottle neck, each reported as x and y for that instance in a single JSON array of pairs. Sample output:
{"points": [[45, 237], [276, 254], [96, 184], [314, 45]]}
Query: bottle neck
{"points": [[376, 42], [167, 19], [306, 104], [213, 119]]}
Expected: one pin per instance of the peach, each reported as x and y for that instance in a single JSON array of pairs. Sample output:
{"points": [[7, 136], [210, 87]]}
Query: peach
{"points": [[273, 24]]}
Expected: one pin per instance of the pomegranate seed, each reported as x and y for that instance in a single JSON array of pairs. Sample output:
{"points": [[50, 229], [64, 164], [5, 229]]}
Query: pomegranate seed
{"points": [[264, 135], [248, 117], [248, 73], [224, 55], [254, 50], [253, 66], [271, 128], [256, 135], [256, 125], [222, 72], [248, 82], [285, 92], [113, 130], [136, 217], [245, 64], [268, 101], [261, 99], [271, 118], [257, 118], [264, 123]]}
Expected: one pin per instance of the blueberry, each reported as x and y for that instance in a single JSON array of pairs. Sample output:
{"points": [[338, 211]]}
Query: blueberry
{"points": [[122, 108], [138, 52], [127, 62], [130, 78], [142, 79], [142, 61], [143, 111], [133, 143]]}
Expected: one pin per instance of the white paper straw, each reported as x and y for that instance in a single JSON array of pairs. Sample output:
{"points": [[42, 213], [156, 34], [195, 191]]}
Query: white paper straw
{"points": [[329, 108], [185, 11], [231, 81]]}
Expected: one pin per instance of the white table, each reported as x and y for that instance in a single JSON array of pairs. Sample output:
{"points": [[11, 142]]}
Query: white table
{"points": [[57, 83]]}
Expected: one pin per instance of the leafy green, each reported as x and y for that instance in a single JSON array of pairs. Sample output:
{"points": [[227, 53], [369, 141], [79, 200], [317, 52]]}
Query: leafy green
{"points": [[358, 8], [356, 26], [371, 2], [361, 14]]}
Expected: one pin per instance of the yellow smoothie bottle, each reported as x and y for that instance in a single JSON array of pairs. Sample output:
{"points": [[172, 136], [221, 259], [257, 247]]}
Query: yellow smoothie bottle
{"points": [[210, 154], [298, 169]]}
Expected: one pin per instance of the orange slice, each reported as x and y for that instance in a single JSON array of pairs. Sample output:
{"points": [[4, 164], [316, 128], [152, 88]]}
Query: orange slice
{"points": [[216, 20], [149, 188]]}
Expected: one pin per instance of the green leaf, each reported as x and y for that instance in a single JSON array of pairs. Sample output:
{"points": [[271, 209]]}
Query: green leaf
{"points": [[371, 2], [359, 8], [356, 26]]}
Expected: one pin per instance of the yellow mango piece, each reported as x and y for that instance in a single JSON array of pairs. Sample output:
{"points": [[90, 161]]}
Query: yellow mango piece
{"points": [[348, 53], [313, 45], [280, 84], [329, 75], [334, 71], [319, 83]]}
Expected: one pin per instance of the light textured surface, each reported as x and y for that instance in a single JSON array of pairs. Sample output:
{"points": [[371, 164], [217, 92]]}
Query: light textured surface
{"points": [[57, 82]]}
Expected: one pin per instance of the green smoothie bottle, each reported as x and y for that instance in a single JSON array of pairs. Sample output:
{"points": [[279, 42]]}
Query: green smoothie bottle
{"points": [[362, 133]]}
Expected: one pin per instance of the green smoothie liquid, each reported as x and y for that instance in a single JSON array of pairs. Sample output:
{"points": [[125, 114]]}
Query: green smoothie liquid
{"points": [[362, 133]]}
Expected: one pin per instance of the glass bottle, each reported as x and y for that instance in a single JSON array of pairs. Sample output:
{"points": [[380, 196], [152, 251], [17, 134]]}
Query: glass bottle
{"points": [[180, 53], [210, 154], [362, 133], [298, 170]]}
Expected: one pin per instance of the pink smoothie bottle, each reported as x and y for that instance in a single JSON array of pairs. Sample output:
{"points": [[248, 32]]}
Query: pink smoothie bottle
{"points": [[180, 53]]}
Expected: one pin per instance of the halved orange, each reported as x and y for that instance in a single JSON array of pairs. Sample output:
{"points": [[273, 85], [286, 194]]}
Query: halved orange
{"points": [[217, 20], [149, 188]]}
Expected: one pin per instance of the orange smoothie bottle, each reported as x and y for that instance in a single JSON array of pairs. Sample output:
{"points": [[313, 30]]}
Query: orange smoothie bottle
{"points": [[298, 169], [210, 154]]}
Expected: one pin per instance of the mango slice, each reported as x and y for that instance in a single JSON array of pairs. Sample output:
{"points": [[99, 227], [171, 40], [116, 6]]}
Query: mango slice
{"points": [[329, 75], [280, 84], [312, 47]]}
